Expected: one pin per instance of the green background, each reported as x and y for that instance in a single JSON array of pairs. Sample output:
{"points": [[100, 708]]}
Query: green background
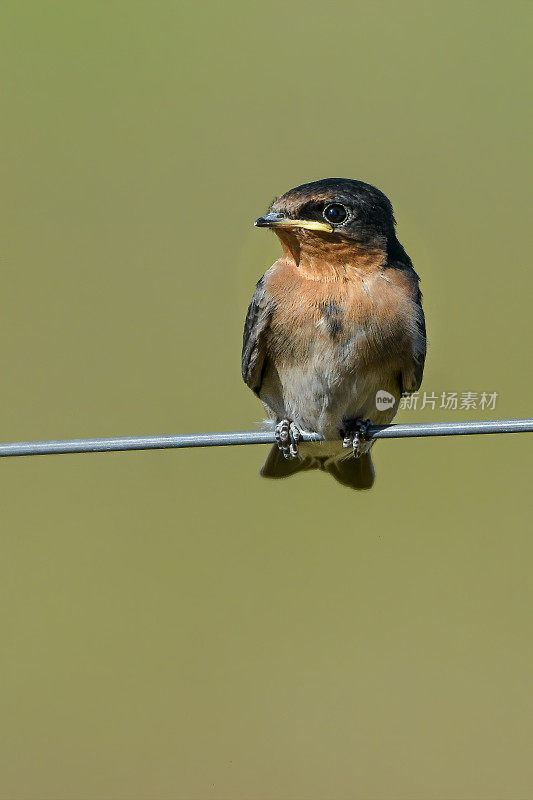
{"points": [[172, 626]]}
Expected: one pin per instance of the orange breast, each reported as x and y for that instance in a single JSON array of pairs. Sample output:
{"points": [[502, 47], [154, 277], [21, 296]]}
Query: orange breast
{"points": [[334, 300]]}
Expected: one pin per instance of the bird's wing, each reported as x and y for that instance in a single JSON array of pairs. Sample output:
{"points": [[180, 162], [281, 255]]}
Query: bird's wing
{"points": [[412, 377], [254, 337]]}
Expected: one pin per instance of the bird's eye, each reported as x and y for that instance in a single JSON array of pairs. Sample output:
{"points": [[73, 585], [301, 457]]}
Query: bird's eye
{"points": [[335, 213]]}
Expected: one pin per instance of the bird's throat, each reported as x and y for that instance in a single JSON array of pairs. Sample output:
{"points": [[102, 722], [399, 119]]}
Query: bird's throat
{"points": [[331, 258]]}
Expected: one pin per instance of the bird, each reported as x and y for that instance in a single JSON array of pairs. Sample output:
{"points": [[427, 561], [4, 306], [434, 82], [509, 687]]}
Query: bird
{"points": [[335, 332]]}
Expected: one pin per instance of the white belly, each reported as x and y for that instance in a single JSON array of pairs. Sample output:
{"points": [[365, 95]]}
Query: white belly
{"points": [[328, 389]]}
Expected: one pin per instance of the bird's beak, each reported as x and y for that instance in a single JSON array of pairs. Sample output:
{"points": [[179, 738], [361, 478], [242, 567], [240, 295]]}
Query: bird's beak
{"points": [[273, 220]]}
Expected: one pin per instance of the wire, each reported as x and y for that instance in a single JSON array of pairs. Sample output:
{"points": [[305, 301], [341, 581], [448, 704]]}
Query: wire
{"points": [[255, 437]]}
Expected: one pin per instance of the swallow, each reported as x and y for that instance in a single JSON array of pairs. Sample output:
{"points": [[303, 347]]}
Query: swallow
{"points": [[334, 322]]}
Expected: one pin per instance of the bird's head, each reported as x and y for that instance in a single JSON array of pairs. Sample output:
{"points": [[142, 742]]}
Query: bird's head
{"points": [[335, 210]]}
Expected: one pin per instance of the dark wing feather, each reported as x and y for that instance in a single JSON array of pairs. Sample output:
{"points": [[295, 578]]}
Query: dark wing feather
{"points": [[411, 380], [254, 337], [421, 344]]}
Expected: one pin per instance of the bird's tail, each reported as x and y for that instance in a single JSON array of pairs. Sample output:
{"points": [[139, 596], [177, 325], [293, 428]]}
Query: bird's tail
{"points": [[277, 466], [357, 473]]}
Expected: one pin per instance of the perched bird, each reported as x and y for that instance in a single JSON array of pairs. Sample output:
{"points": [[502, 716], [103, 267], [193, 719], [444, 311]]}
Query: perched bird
{"points": [[335, 331]]}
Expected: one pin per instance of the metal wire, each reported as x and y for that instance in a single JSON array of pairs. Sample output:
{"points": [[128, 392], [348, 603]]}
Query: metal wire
{"points": [[255, 437]]}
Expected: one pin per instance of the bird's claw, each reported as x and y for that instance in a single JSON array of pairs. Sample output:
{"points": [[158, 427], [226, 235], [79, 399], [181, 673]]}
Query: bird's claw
{"points": [[287, 437], [356, 435]]}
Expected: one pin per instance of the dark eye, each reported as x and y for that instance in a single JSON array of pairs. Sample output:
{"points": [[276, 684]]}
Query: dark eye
{"points": [[335, 213]]}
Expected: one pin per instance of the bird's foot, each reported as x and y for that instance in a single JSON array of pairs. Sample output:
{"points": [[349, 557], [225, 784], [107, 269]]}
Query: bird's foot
{"points": [[355, 435], [287, 437]]}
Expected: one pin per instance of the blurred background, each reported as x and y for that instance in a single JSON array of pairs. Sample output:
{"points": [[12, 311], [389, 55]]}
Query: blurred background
{"points": [[173, 626]]}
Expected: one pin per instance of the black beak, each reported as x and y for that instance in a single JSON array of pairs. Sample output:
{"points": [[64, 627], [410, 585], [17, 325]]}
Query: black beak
{"points": [[268, 221], [273, 220]]}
